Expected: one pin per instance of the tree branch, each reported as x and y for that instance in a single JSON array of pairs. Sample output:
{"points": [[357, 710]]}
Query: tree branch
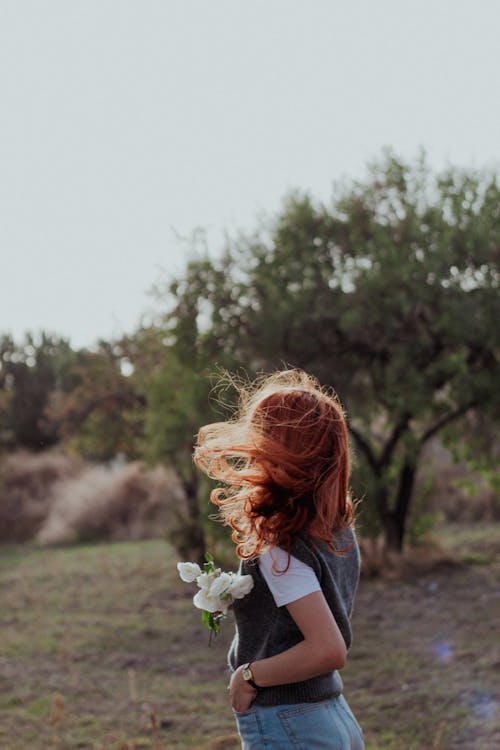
{"points": [[76, 417], [398, 430], [446, 419], [365, 447]]}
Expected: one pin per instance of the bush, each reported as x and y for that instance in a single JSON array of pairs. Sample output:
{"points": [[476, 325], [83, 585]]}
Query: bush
{"points": [[114, 504], [54, 499], [26, 482]]}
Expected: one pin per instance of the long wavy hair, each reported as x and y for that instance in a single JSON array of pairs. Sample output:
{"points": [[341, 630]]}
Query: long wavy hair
{"points": [[283, 461]]}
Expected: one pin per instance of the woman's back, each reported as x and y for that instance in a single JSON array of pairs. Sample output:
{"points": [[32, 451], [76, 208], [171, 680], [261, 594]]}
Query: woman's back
{"points": [[263, 629]]}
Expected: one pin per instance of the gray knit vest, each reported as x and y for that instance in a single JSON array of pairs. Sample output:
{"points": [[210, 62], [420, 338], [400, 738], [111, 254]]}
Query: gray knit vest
{"points": [[263, 629]]}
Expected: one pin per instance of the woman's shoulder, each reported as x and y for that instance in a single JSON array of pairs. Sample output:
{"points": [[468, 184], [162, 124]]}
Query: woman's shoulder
{"points": [[344, 534], [343, 539], [304, 549], [288, 578]]}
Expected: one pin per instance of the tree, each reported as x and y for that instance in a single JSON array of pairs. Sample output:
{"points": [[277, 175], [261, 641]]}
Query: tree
{"points": [[177, 399], [390, 296], [96, 410], [29, 371], [177, 395]]}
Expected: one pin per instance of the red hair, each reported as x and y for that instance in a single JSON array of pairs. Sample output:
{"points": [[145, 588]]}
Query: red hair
{"points": [[284, 459]]}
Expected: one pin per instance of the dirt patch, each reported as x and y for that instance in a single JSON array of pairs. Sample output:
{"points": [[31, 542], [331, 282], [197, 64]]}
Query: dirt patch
{"points": [[423, 660]]}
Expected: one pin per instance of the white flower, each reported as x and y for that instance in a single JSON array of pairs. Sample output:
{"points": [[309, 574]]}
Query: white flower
{"points": [[221, 584], [205, 580], [217, 592], [203, 600], [224, 603], [188, 571], [241, 586]]}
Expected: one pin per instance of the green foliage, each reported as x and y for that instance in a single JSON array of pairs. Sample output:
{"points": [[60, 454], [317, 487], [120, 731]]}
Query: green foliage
{"points": [[420, 525], [177, 405], [390, 295], [177, 399], [29, 371], [50, 393], [480, 451], [97, 410], [211, 621]]}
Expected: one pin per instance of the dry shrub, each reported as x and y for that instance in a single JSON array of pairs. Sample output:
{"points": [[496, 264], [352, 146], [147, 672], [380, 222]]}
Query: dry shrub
{"points": [[26, 484], [124, 502], [53, 498], [377, 561]]}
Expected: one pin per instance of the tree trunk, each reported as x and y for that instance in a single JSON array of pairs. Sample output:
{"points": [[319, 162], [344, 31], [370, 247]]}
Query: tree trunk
{"points": [[393, 533], [188, 533], [195, 533], [395, 521]]}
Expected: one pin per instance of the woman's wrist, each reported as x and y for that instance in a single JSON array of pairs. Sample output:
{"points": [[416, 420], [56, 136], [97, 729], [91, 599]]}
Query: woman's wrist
{"points": [[263, 673], [249, 676]]}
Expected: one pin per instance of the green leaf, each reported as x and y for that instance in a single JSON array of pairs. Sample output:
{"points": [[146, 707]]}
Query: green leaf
{"points": [[209, 566], [206, 618]]}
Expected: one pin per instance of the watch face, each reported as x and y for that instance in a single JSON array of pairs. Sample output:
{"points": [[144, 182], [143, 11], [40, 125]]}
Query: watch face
{"points": [[247, 674]]}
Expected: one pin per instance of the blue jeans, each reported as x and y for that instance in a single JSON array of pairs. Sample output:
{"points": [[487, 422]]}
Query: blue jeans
{"points": [[325, 725]]}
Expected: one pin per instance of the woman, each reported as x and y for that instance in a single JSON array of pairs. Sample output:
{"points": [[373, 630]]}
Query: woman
{"points": [[284, 461]]}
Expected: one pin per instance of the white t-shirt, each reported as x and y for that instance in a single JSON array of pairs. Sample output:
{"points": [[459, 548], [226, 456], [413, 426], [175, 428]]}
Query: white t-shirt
{"points": [[298, 581]]}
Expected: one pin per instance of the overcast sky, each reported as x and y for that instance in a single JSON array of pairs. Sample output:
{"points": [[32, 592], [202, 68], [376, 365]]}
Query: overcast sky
{"points": [[125, 125]]}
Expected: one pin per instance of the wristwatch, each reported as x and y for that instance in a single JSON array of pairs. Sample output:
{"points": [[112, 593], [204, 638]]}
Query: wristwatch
{"points": [[247, 675]]}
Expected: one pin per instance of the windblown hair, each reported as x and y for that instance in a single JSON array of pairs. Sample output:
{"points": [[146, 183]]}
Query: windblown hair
{"points": [[284, 461]]}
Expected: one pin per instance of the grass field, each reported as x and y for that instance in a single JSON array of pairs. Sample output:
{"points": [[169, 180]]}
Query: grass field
{"points": [[101, 648]]}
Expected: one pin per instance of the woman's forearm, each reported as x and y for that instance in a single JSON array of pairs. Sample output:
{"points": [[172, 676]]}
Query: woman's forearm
{"points": [[300, 662]]}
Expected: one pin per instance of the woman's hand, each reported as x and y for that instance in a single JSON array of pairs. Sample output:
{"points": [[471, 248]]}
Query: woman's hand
{"points": [[241, 694]]}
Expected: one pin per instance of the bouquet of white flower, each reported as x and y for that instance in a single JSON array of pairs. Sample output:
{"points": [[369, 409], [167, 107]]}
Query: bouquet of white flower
{"points": [[217, 592]]}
